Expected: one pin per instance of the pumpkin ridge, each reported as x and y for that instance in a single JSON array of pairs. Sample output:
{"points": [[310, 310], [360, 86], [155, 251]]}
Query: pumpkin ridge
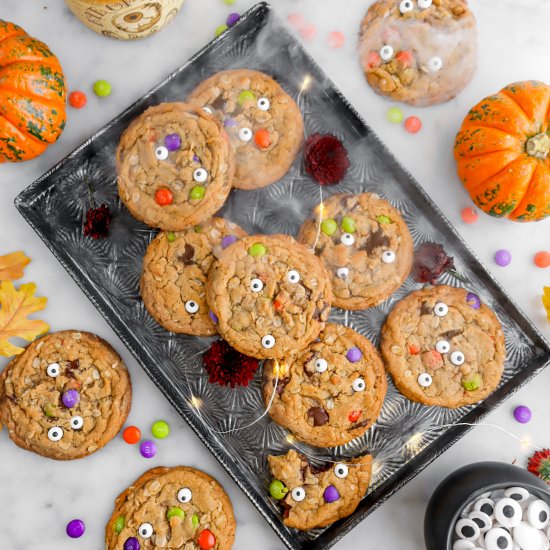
{"points": [[31, 94], [27, 135], [475, 123], [505, 93], [503, 169], [520, 204]]}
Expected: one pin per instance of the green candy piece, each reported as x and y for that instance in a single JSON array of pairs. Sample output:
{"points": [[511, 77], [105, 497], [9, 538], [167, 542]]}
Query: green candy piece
{"points": [[383, 219], [195, 520], [119, 524], [160, 429], [102, 88], [174, 511], [348, 224], [257, 249], [329, 226], [220, 29], [197, 193], [170, 236], [229, 2], [198, 229], [50, 410], [394, 115], [277, 489], [244, 96], [472, 383]]}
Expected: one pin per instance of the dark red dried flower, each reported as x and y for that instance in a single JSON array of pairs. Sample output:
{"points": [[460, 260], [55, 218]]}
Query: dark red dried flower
{"points": [[539, 464], [228, 367], [97, 222], [430, 262], [326, 159]]}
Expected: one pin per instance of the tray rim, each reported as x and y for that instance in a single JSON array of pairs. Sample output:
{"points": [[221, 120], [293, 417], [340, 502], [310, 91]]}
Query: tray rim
{"points": [[23, 203]]}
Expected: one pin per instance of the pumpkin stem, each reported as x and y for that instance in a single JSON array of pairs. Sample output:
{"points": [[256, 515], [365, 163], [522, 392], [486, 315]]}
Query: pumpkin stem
{"points": [[538, 146]]}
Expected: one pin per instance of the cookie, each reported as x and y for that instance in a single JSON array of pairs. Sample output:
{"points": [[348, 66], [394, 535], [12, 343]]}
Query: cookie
{"points": [[175, 268], [443, 347], [312, 496], [264, 123], [271, 295], [330, 392], [175, 166], [172, 508], [66, 396], [420, 52], [365, 244]]}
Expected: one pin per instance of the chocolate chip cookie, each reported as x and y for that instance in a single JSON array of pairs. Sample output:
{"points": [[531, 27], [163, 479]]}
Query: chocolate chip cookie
{"points": [[420, 52], [264, 123], [175, 268], [271, 295], [66, 396], [330, 392], [175, 166], [172, 508], [312, 496], [365, 244], [443, 346]]}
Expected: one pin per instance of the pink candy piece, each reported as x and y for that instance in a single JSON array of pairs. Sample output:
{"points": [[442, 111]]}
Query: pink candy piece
{"points": [[296, 19], [336, 39], [308, 32]]}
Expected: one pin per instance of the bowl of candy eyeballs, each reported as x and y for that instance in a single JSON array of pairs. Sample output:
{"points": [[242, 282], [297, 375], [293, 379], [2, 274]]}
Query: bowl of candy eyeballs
{"points": [[489, 506]]}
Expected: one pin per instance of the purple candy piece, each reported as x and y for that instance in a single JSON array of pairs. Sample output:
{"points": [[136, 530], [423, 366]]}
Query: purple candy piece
{"points": [[70, 398], [522, 414], [228, 239], [76, 528], [172, 142], [331, 494], [148, 449], [196, 159], [213, 317], [232, 18], [354, 354], [473, 300], [229, 123], [132, 544], [503, 257]]}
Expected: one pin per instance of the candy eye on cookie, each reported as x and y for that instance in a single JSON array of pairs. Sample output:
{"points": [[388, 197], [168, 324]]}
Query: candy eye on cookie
{"points": [[341, 471], [263, 104], [185, 495], [53, 370], [293, 276], [191, 306], [77, 422], [298, 494], [55, 434], [321, 365], [145, 531]]}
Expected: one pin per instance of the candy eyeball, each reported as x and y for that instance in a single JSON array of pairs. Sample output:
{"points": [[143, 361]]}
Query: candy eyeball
{"points": [[441, 309], [256, 285], [457, 358], [321, 365], [498, 539], [538, 514], [425, 380], [462, 544], [435, 64], [145, 530], [347, 239], [200, 175], [185, 495], [388, 257], [467, 529], [517, 493], [207, 110], [443, 346], [485, 505], [191, 306], [484, 522], [508, 512], [161, 153], [245, 134], [298, 494], [342, 272], [55, 434], [53, 370], [386, 52], [424, 4], [341, 471], [77, 422], [293, 276], [359, 384], [263, 104], [268, 341], [406, 6]]}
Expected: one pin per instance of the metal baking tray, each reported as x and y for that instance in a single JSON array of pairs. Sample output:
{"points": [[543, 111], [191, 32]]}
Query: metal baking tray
{"points": [[407, 436]]}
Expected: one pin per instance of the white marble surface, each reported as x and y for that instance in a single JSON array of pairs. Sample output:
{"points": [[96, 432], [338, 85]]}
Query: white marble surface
{"points": [[38, 496]]}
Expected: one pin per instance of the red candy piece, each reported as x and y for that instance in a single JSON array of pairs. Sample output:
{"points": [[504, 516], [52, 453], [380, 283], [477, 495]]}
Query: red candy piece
{"points": [[469, 215], [542, 259], [77, 99], [207, 540], [373, 59], [432, 359], [413, 349], [354, 416], [262, 139], [405, 58], [164, 196], [336, 39], [413, 124], [131, 435]]}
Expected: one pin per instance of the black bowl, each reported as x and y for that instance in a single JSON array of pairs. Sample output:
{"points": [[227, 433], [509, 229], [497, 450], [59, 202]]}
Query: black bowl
{"points": [[465, 485]]}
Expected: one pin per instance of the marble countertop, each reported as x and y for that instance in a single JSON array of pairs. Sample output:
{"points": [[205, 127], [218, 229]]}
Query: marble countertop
{"points": [[37, 496]]}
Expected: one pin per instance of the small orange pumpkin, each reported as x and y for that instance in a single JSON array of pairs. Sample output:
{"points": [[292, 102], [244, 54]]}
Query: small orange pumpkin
{"points": [[32, 95], [503, 152]]}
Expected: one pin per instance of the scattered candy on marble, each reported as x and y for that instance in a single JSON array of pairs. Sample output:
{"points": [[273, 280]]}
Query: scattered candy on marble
{"points": [[503, 257], [160, 429], [394, 115], [70, 398], [354, 354], [296, 19], [102, 88], [75, 528], [522, 414], [77, 99], [331, 494], [148, 449], [473, 300], [220, 29], [413, 124], [542, 259], [308, 32], [131, 435], [229, 2], [336, 39], [172, 142], [228, 240], [469, 215], [163, 196], [232, 18]]}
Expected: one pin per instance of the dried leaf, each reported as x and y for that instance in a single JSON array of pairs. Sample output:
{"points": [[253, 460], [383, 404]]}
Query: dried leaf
{"points": [[15, 307], [546, 300], [12, 265]]}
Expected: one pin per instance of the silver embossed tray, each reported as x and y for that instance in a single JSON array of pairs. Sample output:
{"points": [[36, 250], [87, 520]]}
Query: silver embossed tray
{"points": [[407, 436]]}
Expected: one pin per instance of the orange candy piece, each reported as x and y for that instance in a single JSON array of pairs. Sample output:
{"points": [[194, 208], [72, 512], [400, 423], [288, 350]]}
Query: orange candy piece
{"points": [[77, 99], [262, 139], [542, 259], [207, 540], [354, 416], [405, 57], [413, 124], [131, 435], [469, 215], [373, 59], [164, 196]]}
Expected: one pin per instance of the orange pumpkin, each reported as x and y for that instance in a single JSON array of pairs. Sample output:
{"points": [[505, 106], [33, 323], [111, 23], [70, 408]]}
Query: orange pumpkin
{"points": [[503, 152], [32, 95]]}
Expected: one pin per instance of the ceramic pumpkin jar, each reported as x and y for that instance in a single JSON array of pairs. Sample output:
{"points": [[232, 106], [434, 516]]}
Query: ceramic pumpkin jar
{"points": [[503, 152], [32, 95]]}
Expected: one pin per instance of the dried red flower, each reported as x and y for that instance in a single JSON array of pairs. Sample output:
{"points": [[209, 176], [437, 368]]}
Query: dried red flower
{"points": [[430, 262], [326, 159], [539, 464], [228, 367], [97, 222]]}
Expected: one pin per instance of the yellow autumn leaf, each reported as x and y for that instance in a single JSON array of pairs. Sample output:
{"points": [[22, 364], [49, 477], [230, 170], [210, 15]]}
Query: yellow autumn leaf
{"points": [[546, 300], [15, 307], [12, 265]]}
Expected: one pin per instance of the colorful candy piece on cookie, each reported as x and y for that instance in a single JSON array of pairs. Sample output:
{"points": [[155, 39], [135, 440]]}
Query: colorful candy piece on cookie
{"points": [[313, 496], [172, 507]]}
